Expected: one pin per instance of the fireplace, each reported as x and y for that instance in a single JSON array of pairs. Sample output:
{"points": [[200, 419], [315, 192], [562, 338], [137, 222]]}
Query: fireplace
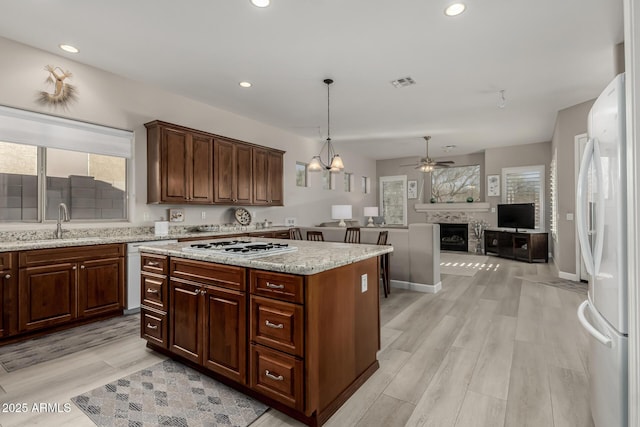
{"points": [[454, 237]]}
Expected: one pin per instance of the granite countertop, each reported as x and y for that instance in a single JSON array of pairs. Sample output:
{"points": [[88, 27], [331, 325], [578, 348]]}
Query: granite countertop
{"points": [[21, 241], [310, 258]]}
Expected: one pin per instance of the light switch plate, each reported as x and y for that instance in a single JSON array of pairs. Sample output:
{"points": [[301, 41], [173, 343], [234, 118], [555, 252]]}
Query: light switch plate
{"points": [[569, 217], [363, 283]]}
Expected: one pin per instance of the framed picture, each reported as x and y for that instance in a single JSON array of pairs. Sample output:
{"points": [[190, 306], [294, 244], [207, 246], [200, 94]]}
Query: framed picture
{"points": [[412, 189], [493, 185], [176, 215]]}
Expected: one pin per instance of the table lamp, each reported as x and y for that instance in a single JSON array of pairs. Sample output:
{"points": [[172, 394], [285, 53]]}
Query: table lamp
{"points": [[370, 211], [341, 212]]}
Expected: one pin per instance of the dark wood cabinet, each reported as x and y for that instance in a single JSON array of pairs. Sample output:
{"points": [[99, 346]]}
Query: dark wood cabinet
{"points": [[61, 285], [233, 178], [179, 165], [530, 247], [207, 323], [267, 173], [188, 166], [8, 294]]}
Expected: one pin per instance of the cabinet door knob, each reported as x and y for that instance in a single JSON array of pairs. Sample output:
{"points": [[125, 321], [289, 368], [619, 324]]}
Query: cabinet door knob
{"points": [[7, 276], [75, 267], [82, 267], [273, 377], [274, 286], [273, 325]]}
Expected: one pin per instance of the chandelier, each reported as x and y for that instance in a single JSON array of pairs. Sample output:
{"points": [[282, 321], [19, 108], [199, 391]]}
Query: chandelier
{"points": [[334, 162]]}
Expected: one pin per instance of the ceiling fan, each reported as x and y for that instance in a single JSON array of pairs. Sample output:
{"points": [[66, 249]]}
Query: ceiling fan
{"points": [[427, 164]]}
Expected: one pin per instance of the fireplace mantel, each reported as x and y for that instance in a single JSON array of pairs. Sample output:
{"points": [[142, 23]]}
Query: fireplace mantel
{"points": [[452, 207]]}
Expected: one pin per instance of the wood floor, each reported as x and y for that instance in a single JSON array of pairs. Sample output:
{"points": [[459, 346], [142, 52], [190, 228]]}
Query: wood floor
{"points": [[488, 350]]}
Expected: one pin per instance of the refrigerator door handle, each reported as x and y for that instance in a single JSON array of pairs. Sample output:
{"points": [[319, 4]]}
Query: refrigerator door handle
{"points": [[581, 207], [600, 220], [605, 340]]}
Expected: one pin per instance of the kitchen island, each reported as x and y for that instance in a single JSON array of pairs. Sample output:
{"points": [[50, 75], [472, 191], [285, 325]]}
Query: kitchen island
{"points": [[298, 330]]}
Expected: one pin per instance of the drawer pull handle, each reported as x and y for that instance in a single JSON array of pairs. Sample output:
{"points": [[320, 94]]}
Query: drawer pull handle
{"points": [[273, 325], [152, 291], [150, 326], [153, 264], [274, 286], [273, 377]]}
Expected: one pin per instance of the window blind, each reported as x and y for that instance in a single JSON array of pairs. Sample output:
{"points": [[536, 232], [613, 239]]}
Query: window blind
{"points": [[27, 127], [525, 185]]}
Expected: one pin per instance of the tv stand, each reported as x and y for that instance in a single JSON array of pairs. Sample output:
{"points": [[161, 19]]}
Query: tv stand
{"points": [[530, 247]]}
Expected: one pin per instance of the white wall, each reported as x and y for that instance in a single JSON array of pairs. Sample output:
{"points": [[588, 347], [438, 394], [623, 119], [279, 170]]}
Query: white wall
{"points": [[111, 100]]}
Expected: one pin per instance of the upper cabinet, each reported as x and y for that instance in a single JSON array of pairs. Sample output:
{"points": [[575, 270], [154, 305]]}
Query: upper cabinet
{"points": [[179, 165], [187, 166], [267, 177], [232, 172]]}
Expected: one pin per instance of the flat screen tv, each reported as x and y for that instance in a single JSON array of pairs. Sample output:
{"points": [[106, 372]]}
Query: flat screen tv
{"points": [[517, 215]]}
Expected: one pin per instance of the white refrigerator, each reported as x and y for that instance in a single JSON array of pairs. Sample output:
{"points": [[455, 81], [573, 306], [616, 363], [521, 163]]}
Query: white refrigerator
{"points": [[602, 222]]}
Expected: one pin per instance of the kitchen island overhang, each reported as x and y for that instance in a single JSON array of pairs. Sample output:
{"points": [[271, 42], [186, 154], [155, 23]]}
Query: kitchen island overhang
{"points": [[298, 330]]}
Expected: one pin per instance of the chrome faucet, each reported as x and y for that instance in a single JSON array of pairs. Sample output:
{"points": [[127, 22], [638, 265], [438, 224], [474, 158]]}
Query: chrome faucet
{"points": [[63, 215]]}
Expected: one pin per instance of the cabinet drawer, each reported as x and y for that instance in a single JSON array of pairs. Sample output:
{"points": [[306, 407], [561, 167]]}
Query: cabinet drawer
{"points": [[277, 375], [286, 287], [153, 327], [153, 289], [225, 276], [6, 261], [36, 257], [284, 234], [277, 325], [153, 263]]}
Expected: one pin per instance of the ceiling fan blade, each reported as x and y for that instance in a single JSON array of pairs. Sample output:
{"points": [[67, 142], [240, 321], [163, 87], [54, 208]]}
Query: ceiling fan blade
{"points": [[412, 164], [451, 162]]}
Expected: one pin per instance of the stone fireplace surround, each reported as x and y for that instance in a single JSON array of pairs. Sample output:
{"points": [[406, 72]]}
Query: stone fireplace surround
{"points": [[442, 217]]}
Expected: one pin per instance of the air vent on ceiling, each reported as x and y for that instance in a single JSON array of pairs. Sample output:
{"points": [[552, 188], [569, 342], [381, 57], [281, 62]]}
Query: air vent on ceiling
{"points": [[405, 81]]}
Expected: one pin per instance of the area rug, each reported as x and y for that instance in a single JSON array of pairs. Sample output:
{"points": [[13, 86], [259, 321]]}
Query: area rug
{"points": [[568, 285], [461, 264], [168, 394], [58, 344]]}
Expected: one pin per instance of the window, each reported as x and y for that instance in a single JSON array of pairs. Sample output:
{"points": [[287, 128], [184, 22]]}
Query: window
{"points": [[301, 174], [347, 182], [455, 184], [52, 160], [525, 185], [553, 190], [393, 198]]}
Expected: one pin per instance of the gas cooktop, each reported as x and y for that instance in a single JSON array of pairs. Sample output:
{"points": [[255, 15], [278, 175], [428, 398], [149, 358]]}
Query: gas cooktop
{"points": [[241, 248]]}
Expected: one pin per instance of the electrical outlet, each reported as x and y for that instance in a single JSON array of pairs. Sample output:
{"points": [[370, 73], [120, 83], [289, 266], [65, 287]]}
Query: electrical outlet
{"points": [[493, 210], [569, 217], [363, 283], [203, 215]]}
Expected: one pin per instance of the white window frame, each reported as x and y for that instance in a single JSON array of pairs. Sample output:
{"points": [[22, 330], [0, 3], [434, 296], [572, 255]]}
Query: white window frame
{"points": [[348, 182], [540, 169], [395, 178], [306, 174]]}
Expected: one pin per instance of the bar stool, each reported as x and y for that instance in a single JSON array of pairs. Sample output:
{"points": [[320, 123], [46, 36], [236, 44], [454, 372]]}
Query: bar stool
{"points": [[295, 234], [352, 235], [315, 236], [384, 264]]}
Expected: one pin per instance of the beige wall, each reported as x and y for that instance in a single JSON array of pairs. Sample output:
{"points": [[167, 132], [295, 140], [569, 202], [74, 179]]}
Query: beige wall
{"points": [[570, 122], [110, 100]]}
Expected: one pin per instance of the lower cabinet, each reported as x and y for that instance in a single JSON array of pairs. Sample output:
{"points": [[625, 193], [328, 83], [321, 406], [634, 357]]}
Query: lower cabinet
{"points": [[8, 294], [62, 285], [207, 323]]}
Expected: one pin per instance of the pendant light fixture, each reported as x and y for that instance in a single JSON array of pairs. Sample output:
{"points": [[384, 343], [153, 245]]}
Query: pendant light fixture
{"points": [[334, 162]]}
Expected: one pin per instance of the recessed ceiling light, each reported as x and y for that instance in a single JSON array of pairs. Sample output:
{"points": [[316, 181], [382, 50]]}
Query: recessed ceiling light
{"points": [[69, 48], [244, 84], [455, 9], [260, 3]]}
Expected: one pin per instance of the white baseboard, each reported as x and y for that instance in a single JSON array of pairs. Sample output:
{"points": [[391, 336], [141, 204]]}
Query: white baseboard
{"points": [[568, 276], [418, 287]]}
